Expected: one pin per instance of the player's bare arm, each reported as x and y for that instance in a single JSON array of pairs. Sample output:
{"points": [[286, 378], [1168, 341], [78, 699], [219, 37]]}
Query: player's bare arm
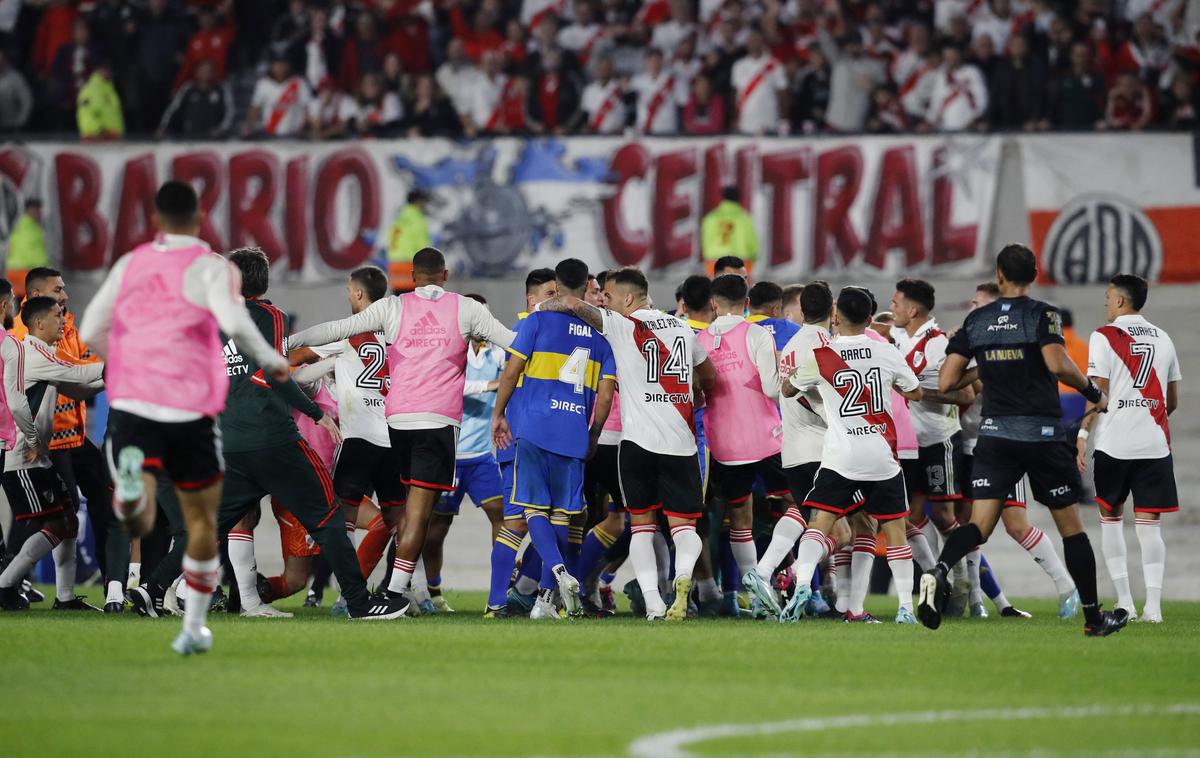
{"points": [[953, 373], [961, 396], [300, 356], [705, 376], [604, 401], [501, 434], [1061, 365], [589, 314], [1172, 397]]}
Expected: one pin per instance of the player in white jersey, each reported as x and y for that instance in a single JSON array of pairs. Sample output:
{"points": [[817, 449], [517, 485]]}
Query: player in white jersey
{"points": [[859, 466], [364, 464], [1135, 362], [659, 367]]}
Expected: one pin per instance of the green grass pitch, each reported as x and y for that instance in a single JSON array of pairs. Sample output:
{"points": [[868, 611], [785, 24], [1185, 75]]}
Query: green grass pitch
{"points": [[462, 686]]}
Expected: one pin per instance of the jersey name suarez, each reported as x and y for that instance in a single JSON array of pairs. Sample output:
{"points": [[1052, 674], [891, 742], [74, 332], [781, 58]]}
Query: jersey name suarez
{"points": [[655, 354], [360, 374]]}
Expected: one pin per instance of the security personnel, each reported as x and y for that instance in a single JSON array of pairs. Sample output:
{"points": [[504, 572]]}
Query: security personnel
{"points": [[728, 230], [408, 234], [99, 107], [26, 246]]}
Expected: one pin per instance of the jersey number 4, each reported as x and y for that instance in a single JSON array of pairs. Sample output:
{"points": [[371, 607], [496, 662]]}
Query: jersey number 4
{"points": [[676, 365], [574, 370], [373, 357], [1144, 351], [851, 384]]}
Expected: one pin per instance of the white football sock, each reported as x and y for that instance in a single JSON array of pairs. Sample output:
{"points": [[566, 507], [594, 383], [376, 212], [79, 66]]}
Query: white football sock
{"points": [[900, 561], [932, 536], [402, 574], [1154, 562], [1001, 602], [115, 593], [842, 578], [976, 592], [241, 557], [135, 575], [1112, 544], [201, 578], [64, 569], [861, 561], [745, 554], [687, 548], [33, 550], [785, 535], [1046, 556], [809, 553], [922, 551], [645, 565]]}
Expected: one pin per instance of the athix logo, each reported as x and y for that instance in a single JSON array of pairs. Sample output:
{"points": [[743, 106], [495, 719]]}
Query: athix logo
{"points": [[1002, 325]]}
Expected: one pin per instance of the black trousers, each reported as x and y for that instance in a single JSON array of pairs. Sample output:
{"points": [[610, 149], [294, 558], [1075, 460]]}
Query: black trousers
{"points": [[83, 469]]}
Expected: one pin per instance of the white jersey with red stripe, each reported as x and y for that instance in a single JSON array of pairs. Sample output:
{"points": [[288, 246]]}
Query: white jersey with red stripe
{"points": [[925, 352], [658, 101], [757, 82], [1139, 360], [605, 106], [855, 375], [804, 414], [655, 354], [360, 373]]}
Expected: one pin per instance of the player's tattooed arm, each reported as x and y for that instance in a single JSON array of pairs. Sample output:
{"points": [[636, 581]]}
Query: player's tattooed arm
{"points": [[589, 314]]}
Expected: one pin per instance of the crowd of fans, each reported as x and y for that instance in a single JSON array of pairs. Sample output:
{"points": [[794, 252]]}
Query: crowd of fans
{"points": [[338, 69]]}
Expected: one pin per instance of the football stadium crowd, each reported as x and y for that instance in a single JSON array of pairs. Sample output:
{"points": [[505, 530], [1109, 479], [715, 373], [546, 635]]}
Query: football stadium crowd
{"points": [[327, 69]]}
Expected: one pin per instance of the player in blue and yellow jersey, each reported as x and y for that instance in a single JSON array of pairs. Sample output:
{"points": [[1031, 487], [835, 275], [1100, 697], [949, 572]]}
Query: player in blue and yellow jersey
{"points": [[540, 286], [565, 370], [766, 310], [475, 467]]}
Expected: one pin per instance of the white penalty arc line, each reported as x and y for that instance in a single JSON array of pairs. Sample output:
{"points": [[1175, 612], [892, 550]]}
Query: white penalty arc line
{"points": [[673, 744]]}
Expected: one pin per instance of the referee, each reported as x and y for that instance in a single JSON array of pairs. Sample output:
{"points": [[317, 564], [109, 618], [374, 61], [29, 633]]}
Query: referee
{"points": [[1017, 343]]}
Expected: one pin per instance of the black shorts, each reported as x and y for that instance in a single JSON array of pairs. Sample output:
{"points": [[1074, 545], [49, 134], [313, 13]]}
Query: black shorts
{"points": [[999, 465], [1015, 498], [189, 451], [934, 473], [600, 477], [35, 493], [800, 482], [832, 492], [1150, 480], [425, 457], [362, 468], [650, 481], [735, 482]]}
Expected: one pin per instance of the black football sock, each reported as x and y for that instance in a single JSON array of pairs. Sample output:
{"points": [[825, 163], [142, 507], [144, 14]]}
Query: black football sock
{"points": [[960, 542], [1081, 564]]}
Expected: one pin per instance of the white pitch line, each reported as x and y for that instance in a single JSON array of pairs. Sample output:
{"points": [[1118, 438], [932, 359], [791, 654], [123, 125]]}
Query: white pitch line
{"points": [[673, 744]]}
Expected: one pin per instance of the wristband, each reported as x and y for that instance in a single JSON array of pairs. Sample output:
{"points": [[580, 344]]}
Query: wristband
{"points": [[1091, 392], [1084, 434]]}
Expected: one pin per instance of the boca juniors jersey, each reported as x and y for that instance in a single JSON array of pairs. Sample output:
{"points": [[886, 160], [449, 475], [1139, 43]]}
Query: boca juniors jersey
{"points": [[565, 361]]}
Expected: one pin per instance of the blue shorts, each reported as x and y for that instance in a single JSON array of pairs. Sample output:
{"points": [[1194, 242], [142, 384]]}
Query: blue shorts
{"points": [[546, 480], [506, 484], [478, 478]]}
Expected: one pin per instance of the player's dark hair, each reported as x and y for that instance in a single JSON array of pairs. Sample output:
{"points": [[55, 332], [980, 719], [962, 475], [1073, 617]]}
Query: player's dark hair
{"points": [[816, 302], [854, 306], [990, 288], [255, 268], [696, 292], [730, 192], [1017, 263], [6, 288], [870, 296], [602, 278], [177, 203], [429, 261], [1133, 287], [1068, 318], [33, 202], [727, 262], [36, 307], [630, 277], [477, 297], [763, 294], [572, 274], [729, 288], [373, 280], [537, 278], [917, 290], [37, 276]]}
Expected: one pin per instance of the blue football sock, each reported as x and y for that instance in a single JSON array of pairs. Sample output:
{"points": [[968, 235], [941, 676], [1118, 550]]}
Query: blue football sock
{"points": [[541, 531], [504, 557], [987, 579], [574, 548], [729, 573], [607, 578], [816, 579], [531, 564], [595, 545]]}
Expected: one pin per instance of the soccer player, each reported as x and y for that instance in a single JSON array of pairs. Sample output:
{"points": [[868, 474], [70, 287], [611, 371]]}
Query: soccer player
{"points": [[730, 264], [659, 367], [741, 415], [566, 370], [932, 476], [766, 310], [157, 319], [34, 377], [80, 463], [1016, 520], [1018, 346], [364, 465], [859, 467], [1135, 362], [475, 467], [427, 332]]}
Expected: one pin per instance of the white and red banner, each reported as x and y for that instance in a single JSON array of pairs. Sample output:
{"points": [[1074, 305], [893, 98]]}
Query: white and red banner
{"points": [[884, 205], [1110, 203]]}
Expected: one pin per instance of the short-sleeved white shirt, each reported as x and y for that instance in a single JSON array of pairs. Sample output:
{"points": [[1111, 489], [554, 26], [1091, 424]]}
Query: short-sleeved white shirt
{"points": [[803, 414], [655, 354], [360, 374], [933, 422], [760, 107]]}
